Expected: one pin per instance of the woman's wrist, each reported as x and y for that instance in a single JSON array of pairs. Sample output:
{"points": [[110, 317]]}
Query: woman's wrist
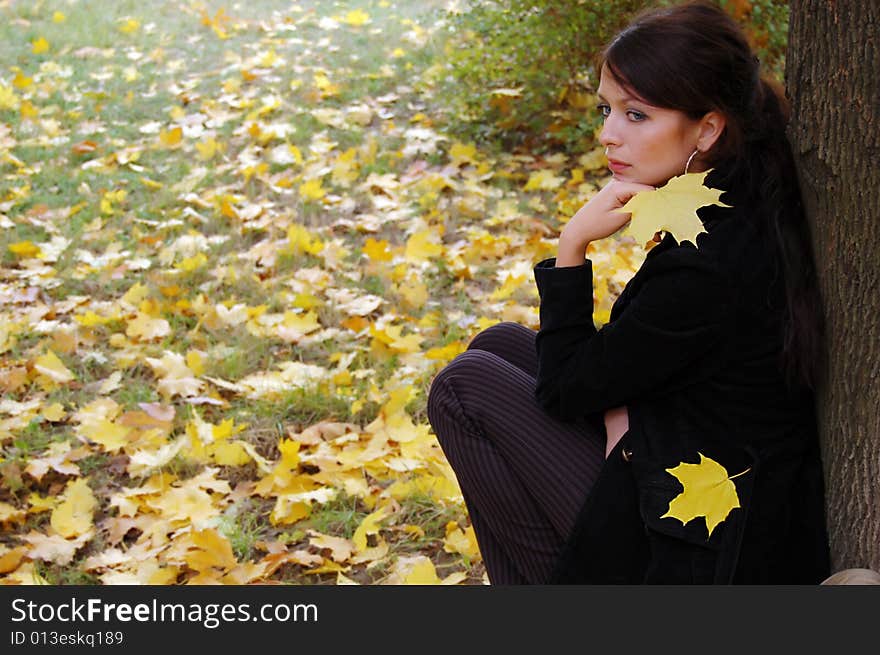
{"points": [[570, 253]]}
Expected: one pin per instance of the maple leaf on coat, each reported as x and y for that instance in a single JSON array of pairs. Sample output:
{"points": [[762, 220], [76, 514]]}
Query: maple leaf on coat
{"points": [[671, 208], [708, 491]]}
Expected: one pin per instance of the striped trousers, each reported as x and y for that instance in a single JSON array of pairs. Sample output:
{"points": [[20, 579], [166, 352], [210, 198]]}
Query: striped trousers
{"points": [[524, 475]]}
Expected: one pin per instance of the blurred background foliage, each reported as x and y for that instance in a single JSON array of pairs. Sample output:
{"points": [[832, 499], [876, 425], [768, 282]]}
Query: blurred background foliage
{"points": [[519, 73]]}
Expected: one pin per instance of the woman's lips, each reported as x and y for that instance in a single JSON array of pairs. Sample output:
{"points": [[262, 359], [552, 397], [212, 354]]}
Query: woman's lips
{"points": [[617, 166]]}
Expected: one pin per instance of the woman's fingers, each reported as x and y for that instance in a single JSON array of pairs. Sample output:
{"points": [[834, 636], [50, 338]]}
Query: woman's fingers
{"points": [[600, 218], [624, 191]]}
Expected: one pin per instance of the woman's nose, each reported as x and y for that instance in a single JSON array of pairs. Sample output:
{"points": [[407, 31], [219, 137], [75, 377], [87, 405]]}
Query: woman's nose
{"points": [[608, 136]]}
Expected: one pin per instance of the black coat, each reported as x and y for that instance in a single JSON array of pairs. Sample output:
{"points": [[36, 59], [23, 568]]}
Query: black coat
{"points": [[692, 348]]}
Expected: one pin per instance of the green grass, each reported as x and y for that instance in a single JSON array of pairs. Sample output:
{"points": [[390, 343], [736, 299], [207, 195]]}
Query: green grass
{"points": [[55, 574], [340, 517], [244, 524], [119, 90], [136, 388]]}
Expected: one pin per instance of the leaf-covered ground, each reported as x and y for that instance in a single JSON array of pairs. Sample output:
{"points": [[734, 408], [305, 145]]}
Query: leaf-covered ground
{"points": [[238, 240]]}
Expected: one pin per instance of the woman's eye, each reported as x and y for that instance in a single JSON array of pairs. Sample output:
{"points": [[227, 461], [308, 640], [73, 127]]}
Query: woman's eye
{"points": [[604, 110], [636, 115]]}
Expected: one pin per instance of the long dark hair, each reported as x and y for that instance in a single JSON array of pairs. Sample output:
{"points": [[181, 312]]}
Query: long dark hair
{"points": [[695, 58]]}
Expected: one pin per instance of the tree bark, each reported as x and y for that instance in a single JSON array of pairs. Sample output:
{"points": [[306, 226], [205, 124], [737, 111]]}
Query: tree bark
{"points": [[833, 80]]}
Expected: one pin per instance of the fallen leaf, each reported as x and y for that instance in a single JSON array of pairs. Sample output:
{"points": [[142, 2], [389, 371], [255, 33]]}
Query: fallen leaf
{"points": [[52, 367], [11, 514], [368, 526], [340, 548], [73, 517], [461, 541], [10, 558], [39, 46], [543, 180]]}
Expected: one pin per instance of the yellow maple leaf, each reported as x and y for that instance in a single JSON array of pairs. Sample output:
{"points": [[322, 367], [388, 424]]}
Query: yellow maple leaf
{"points": [[146, 328], [21, 81], [463, 153], [301, 240], [39, 46], [594, 160], [511, 284], [108, 434], [53, 548], [135, 294], [543, 180], [40, 503], [421, 246], [325, 86], [210, 550], [28, 111], [129, 26], [446, 353], [672, 208], [91, 319], [142, 462], [54, 412], [422, 572], [196, 362], [295, 326], [312, 189], [433, 486], [340, 548], [111, 199], [462, 541], [187, 504], [190, 264], [11, 514], [171, 138], [26, 249], [370, 525], [287, 512], [377, 251], [345, 168], [73, 517], [708, 491], [208, 148], [53, 368], [8, 98], [414, 294], [284, 474], [10, 558], [391, 336], [357, 18]]}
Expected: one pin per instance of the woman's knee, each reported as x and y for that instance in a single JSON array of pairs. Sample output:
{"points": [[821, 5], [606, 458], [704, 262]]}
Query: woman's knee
{"points": [[496, 337], [470, 364], [472, 367]]}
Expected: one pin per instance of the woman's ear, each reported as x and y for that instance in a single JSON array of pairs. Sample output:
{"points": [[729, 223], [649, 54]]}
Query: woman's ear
{"points": [[710, 129]]}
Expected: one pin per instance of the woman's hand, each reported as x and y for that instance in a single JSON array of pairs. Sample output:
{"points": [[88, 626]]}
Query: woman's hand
{"points": [[596, 220]]}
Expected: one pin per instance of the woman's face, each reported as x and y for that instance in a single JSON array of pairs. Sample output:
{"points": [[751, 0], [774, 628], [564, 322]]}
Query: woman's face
{"points": [[643, 143]]}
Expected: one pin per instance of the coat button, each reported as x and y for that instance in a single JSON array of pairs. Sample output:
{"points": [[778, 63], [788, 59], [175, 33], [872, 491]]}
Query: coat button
{"points": [[626, 453]]}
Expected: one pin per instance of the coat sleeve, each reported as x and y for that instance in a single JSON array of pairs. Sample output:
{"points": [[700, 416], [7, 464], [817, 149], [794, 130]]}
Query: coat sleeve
{"points": [[676, 313]]}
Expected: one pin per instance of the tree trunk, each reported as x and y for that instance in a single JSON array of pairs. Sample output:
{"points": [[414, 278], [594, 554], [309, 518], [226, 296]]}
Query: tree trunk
{"points": [[833, 80]]}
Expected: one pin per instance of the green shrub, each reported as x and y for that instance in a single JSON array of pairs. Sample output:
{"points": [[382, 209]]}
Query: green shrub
{"points": [[519, 73], [766, 25]]}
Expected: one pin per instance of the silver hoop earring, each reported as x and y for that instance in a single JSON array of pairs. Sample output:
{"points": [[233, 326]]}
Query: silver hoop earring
{"points": [[687, 165]]}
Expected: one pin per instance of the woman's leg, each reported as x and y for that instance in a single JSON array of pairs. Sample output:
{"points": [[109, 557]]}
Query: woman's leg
{"points": [[524, 475], [512, 342]]}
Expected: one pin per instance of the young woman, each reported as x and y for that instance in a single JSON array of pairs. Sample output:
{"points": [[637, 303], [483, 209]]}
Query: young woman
{"points": [[564, 442]]}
